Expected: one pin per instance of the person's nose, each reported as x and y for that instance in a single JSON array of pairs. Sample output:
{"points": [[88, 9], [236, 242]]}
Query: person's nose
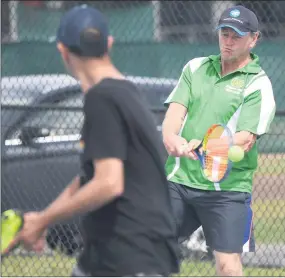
{"points": [[229, 41]]}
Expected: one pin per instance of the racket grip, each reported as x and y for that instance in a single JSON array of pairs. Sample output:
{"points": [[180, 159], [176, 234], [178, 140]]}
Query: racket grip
{"points": [[197, 152], [199, 155]]}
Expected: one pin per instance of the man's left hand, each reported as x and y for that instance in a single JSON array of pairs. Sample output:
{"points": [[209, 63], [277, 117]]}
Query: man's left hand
{"points": [[192, 145], [32, 236]]}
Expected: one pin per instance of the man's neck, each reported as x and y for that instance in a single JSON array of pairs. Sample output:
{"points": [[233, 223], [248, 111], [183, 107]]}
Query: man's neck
{"points": [[95, 73], [233, 65]]}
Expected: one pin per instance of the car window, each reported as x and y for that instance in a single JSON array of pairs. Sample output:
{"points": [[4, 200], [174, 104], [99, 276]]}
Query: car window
{"points": [[65, 124], [59, 122], [24, 90]]}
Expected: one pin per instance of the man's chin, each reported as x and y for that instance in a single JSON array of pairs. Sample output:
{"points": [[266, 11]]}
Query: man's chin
{"points": [[228, 58]]}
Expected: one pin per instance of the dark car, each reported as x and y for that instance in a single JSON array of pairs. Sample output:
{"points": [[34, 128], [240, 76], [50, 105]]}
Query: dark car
{"points": [[41, 122]]}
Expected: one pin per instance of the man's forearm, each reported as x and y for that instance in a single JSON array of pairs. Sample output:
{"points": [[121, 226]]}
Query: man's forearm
{"points": [[173, 120], [68, 192], [91, 196], [170, 127], [244, 139]]}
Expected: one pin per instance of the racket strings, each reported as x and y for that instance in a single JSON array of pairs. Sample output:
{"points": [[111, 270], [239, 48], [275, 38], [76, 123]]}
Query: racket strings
{"points": [[215, 167], [216, 149]]}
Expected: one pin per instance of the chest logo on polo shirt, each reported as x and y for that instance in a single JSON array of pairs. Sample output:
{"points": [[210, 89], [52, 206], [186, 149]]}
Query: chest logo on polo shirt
{"points": [[236, 86], [237, 83]]}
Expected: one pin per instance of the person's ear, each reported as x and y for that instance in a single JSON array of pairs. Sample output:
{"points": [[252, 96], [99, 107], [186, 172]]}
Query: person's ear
{"points": [[63, 52], [254, 40], [110, 42], [252, 44]]}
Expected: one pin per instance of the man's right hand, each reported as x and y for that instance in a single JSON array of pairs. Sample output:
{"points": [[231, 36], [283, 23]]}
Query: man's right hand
{"points": [[176, 145]]}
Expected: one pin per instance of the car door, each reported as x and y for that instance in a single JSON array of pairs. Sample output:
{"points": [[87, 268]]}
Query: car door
{"points": [[41, 154]]}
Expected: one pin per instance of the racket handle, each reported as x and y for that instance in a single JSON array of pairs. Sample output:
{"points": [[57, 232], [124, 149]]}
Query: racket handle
{"points": [[199, 155]]}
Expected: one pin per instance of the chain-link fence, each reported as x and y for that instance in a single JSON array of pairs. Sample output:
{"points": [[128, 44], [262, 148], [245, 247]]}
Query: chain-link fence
{"points": [[41, 115]]}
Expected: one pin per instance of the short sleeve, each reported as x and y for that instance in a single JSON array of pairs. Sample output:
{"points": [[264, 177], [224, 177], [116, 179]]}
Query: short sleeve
{"points": [[257, 112], [105, 130], [181, 93]]}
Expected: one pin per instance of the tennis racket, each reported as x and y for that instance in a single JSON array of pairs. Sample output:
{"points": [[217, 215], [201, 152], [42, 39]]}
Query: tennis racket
{"points": [[213, 153], [11, 223]]}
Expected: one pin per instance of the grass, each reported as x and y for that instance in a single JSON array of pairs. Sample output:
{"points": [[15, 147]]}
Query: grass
{"points": [[60, 266], [270, 231], [271, 164], [269, 209], [269, 215], [269, 221], [41, 266], [208, 269]]}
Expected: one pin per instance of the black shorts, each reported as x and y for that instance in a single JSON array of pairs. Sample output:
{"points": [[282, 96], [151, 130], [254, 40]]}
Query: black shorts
{"points": [[226, 217]]}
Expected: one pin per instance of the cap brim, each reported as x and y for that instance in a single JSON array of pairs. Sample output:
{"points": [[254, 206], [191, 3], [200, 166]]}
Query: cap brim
{"points": [[234, 28]]}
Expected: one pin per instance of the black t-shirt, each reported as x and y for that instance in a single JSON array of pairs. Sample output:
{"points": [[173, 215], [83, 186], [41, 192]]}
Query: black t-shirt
{"points": [[136, 232]]}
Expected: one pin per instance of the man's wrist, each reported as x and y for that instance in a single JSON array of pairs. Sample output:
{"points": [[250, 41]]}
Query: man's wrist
{"points": [[46, 219], [169, 135]]}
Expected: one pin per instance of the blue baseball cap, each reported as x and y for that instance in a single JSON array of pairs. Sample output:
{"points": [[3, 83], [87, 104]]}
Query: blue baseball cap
{"points": [[240, 19], [84, 31]]}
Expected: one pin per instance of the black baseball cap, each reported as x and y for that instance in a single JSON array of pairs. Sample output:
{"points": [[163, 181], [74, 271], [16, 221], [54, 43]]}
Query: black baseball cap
{"points": [[84, 31], [240, 19]]}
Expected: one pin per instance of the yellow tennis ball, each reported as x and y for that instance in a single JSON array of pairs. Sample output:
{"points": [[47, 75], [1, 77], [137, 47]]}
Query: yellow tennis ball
{"points": [[11, 223], [236, 153]]}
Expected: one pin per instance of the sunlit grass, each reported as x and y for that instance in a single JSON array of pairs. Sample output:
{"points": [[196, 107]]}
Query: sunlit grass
{"points": [[60, 266]]}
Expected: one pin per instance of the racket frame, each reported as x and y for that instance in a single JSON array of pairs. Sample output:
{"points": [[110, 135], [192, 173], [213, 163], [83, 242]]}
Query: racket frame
{"points": [[203, 144]]}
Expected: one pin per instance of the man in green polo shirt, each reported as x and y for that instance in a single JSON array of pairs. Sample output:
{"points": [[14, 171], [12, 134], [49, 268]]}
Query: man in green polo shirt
{"points": [[232, 89]]}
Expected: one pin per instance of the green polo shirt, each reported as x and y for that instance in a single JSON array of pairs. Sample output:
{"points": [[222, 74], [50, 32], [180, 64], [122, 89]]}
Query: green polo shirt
{"points": [[242, 100]]}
